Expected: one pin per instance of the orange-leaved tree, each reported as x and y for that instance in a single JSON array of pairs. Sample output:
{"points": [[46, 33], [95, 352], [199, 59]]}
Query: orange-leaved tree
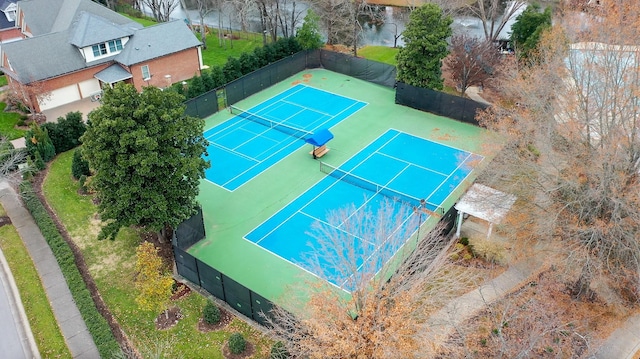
{"points": [[570, 115], [152, 281], [382, 293]]}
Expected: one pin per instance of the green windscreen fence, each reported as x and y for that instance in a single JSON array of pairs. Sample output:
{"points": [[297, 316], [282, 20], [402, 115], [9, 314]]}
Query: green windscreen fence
{"points": [[203, 105], [186, 265], [363, 69], [439, 103], [245, 301], [237, 90], [190, 231], [267, 76]]}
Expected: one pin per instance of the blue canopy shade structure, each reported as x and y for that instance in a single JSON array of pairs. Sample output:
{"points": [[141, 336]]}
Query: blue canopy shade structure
{"points": [[320, 138]]}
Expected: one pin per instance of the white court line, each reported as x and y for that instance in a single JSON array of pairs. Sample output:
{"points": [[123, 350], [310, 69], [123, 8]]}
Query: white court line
{"points": [[230, 150], [332, 93], [233, 117], [413, 164]]}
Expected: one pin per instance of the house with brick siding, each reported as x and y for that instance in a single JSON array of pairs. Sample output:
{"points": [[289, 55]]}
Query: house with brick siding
{"points": [[72, 49], [8, 30]]}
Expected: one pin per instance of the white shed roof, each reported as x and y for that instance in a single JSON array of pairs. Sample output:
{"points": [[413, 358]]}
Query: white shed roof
{"points": [[486, 203]]}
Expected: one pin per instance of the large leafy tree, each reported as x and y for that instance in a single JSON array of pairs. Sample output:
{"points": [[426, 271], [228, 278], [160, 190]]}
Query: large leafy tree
{"points": [[147, 156], [309, 35], [526, 31], [420, 60]]}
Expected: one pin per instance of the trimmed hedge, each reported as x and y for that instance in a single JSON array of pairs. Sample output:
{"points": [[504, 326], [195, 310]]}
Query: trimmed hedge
{"points": [[97, 325], [79, 166], [235, 68], [237, 343], [211, 313], [66, 132]]}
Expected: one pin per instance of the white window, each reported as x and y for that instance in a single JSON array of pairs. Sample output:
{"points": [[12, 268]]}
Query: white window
{"points": [[99, 50], [115, 45], [146, 75]]}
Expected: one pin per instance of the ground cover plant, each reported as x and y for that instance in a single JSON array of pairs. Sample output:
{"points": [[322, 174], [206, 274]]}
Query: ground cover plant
{"points": [[96, 324], [43, 324], [9, 122], [111, 263]]}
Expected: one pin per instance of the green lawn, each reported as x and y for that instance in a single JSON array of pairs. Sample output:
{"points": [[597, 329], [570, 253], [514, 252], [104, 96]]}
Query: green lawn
{"points": [[379, 53], [8, 121], [144, 22], [3, 80], [43, 324], [111, 264], [218, 52]]}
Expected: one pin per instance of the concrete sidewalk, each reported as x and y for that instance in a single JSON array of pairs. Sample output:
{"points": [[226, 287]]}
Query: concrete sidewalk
{"points": [[472, 303], [624, 342], [67, 315], [474, 93]]}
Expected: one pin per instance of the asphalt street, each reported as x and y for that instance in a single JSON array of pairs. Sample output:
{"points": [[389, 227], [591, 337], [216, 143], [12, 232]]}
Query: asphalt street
{"points": [[13, 338]]}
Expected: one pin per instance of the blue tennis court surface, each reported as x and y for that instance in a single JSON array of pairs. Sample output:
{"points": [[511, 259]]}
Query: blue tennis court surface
{"points": [[240, 148], [396, 168]]}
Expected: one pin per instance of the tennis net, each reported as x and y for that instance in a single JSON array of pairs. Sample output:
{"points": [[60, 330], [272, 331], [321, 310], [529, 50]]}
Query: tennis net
{"points": [[376, 188], [286, 129]]}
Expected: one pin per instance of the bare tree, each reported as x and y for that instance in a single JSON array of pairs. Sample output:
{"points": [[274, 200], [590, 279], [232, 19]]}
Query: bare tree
{"points": [[495, 14], [449, 7], [524, 324], [278, 17], [472, 61], [205, 7], [574, 147], [30, 94], [381, 306], [161, 9], [340, 19], [10, 159], [242, 9]]}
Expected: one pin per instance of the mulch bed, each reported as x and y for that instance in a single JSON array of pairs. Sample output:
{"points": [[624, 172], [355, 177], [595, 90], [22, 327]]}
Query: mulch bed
{"points": [[168, 319], [4, 221], [248, 351], [225, 319], [181, 292]]}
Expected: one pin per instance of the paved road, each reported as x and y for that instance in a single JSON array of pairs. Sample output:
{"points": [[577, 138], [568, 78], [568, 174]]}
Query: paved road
{"points": [[16, 341]]}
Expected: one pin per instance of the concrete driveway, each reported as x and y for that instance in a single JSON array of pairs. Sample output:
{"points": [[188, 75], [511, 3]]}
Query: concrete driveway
{"points": [[85, 106]]}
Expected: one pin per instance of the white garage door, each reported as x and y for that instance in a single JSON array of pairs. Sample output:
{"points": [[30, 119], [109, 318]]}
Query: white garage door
{"points": [[89, 87], [60, 97]]}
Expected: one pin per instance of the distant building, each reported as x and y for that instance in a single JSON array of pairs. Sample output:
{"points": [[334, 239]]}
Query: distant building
{"points": [[71, 49]]}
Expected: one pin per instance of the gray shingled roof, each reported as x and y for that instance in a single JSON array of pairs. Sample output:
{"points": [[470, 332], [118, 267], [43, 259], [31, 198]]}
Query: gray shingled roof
{"points": [[113, 73], [46, 16], [156, 41], [4, 4], [87, 23], [46, 56], [90, 29]]}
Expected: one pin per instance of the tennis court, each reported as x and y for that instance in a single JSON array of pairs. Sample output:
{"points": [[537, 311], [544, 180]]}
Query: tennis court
{"points": [[257, 138], [271, 268], [399, 168]]}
